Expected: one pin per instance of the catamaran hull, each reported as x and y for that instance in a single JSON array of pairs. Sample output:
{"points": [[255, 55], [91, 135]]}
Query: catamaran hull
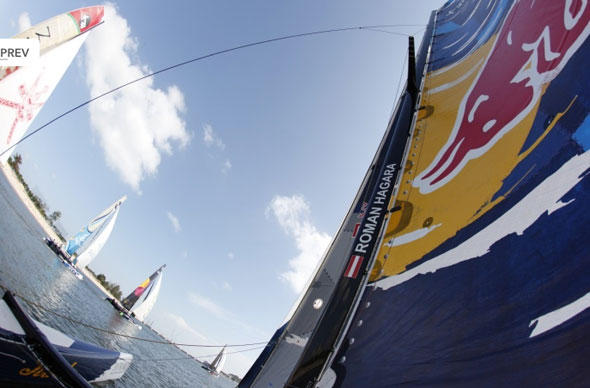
{"points": [[123, 312], [20, 367], [63, 257]]}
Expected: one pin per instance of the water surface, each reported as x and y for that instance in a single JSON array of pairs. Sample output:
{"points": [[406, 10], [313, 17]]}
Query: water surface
{"points": [[29, 268]]}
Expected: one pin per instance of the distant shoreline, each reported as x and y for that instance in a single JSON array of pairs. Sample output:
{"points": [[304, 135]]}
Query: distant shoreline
{"points": [[47, 228], [20, 191]]}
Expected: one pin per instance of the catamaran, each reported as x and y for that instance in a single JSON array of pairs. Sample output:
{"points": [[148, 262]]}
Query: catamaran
{"points": [[133, 305], [33, 354], [82, 248], [215, 366]]}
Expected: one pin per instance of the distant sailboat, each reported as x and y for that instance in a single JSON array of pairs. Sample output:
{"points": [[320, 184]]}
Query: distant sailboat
{"points": [[100, 229], [133, 305], [82, 248], [215, 366]]}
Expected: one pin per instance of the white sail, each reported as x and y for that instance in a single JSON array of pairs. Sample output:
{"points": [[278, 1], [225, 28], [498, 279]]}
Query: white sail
{"points": [[77, 241], [141, 310], [96, 245], [218, 362], [23, 93], [24, 89]]}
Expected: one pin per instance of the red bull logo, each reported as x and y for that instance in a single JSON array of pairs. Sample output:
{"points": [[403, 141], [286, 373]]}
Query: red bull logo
{"points": [[526, 56]]}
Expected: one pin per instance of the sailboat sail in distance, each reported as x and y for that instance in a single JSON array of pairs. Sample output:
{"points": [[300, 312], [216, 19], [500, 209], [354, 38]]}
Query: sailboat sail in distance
{"points": [[24, 90], [87, 243], [463, 258], [216, 365], [151, 288]]}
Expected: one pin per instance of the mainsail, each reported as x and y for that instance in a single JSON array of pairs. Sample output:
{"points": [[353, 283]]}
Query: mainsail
{"points": [[100, 228], [463, 258], [24, 90], [141, 310], [152, 286], [218, 362]]}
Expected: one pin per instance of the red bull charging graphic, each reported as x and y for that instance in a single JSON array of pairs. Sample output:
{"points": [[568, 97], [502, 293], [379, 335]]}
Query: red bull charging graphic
{"points": [[535, 43]]}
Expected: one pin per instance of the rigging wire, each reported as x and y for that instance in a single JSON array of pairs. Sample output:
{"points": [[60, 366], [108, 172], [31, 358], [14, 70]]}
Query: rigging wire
{"points": [[377, 28], [387, 32], [126, 335], [192, 358]]}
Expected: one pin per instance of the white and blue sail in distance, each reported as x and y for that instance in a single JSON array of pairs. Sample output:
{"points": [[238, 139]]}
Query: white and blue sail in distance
{"points": [[99, 228]]}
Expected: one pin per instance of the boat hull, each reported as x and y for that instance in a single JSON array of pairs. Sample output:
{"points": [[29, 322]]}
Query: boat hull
{"points": [[63, 257], [20, 367]]}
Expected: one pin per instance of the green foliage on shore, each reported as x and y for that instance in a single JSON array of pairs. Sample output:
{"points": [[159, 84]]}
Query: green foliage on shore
{"points": [[113, 288], [15, 162]]}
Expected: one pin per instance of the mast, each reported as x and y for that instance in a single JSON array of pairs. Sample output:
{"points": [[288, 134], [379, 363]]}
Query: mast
{"points": [[310, 338], [218, 361], [327, 335]]}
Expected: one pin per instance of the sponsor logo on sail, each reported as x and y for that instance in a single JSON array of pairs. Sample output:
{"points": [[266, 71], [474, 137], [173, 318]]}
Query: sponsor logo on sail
{"points": [[526, 56]]}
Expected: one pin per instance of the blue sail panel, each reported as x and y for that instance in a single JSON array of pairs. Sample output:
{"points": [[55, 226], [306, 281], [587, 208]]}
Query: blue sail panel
{"points": [[77, 241]]}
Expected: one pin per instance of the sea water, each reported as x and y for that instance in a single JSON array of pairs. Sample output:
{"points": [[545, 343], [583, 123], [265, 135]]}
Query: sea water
{"points": [[29, 268]]}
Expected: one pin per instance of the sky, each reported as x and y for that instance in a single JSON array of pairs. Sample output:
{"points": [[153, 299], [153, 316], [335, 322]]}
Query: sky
{"points": [[239, 168]]}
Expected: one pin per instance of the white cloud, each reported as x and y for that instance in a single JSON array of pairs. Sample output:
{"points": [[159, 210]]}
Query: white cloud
{"points": [[211, 138], [138, 123], [179, 321], [226, 167], [174, 221], [227, 323], [221, 313], [210, 306], [293, 214], [24, 21]]}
